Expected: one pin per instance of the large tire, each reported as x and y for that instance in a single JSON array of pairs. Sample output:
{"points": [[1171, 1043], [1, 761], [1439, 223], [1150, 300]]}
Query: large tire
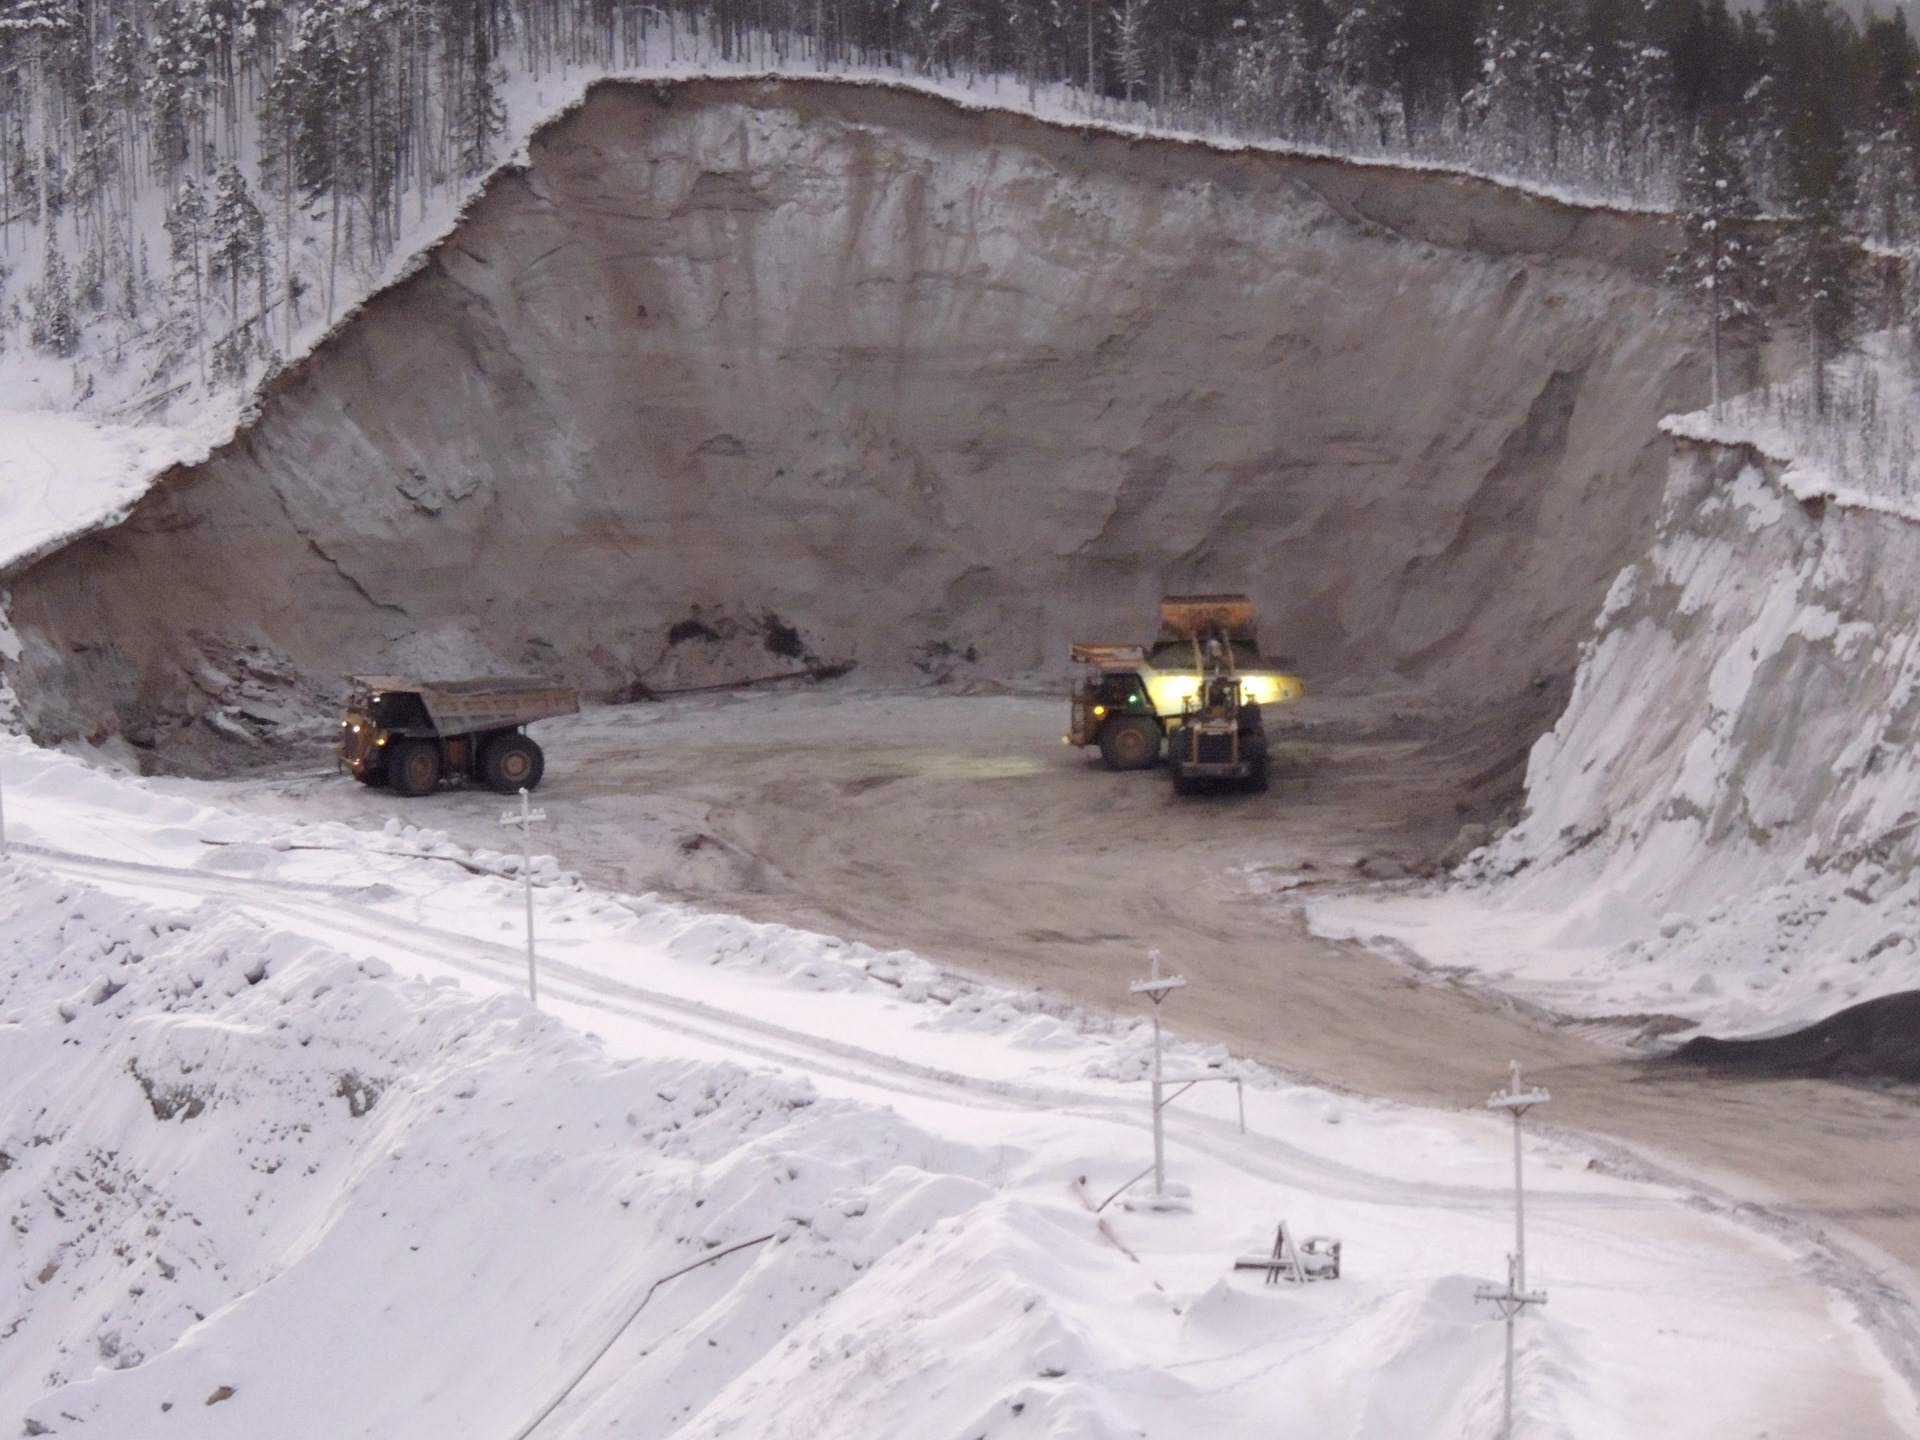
{"points": [[1129, 742], [371, 775], [413, 767], [1179, 744], [511, 762]]}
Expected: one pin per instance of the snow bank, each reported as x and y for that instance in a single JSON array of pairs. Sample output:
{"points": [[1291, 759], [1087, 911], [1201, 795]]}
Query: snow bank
{"points": [[1722, 826], [62, 473], [250, 1165], [261, 1182]]}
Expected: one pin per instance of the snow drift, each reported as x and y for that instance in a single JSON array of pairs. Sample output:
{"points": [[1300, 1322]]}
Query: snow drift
{"points": [[253, 1167], [745, 378], [255, 1185]]}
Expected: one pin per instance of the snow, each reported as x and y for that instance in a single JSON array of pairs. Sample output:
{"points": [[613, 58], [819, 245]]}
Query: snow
{"points": [[1720, 828], [286, 1151], [62, 473]]}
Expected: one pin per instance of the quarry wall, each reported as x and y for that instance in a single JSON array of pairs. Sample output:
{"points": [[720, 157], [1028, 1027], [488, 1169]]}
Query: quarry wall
{"points": [[734, 378], [1751, 690], [1733, 789]]}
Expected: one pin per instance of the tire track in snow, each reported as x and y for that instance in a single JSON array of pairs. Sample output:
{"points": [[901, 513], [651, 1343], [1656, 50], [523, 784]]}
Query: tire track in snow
{"points": [[585, 987], [1880, 1293]]}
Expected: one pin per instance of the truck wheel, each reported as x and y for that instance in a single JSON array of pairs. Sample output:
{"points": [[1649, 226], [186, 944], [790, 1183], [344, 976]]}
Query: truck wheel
{"points": [[413, 767], [512, 762], [1131, 742], [370, 774], [1179, 745]]}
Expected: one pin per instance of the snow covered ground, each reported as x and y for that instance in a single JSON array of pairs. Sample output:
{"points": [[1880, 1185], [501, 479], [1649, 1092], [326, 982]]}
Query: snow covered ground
{"points": [[1861, 452], [285, 1150]]}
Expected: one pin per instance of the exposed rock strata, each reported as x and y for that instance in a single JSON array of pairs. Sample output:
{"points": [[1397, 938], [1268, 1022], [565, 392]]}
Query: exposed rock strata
{"points": [[934, 391]]}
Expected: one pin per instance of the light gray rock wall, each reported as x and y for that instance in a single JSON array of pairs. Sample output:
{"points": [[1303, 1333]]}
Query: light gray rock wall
{"points": [[1745, 714], [940, 390]]}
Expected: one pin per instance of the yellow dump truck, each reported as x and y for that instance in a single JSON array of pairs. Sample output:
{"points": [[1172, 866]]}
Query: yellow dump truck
{"points": [[1202, 682], [412, 734]]}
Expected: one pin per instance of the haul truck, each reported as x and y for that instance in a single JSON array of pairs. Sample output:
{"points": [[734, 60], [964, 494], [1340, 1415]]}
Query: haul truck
{"points": [[1202, 681], [412, 735]]}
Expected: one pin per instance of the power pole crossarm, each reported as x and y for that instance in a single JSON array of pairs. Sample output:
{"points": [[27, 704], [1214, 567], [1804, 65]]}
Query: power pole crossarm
{"points": [[1514, 1297], [1156, 987]]}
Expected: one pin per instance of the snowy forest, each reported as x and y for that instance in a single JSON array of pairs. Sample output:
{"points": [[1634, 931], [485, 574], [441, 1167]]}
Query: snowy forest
{"points": [[190, 186]]}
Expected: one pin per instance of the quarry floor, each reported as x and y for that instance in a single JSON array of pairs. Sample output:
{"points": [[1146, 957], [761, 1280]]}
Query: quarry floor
{"points": [[960, 827]]}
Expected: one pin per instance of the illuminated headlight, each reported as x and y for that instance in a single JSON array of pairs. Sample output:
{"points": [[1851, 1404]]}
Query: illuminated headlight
{"points": [[1269, 689], [1099, 710], [1170, 693]]}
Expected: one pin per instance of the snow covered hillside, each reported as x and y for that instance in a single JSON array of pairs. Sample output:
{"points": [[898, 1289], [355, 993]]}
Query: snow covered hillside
{"points": [[284, 1150], [1724, 825]]}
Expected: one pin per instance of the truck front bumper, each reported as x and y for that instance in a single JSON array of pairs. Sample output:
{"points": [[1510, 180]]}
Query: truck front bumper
{"points": [[1214, 769]]}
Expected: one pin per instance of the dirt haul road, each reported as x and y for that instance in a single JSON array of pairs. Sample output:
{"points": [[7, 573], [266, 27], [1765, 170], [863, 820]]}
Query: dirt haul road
{"points": [[960, 827]]}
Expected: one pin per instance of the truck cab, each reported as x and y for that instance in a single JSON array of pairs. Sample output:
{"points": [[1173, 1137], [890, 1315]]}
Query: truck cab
{"points": [[1112, 707]]}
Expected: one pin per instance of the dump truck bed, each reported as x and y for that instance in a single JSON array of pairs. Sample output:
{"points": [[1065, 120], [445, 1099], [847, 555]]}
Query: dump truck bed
{"points": [[1104, 655], [463, 707]]}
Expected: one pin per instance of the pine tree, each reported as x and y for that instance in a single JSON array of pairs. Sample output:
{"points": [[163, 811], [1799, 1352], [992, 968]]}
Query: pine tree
{"points": [[90, 286], [1129, 46], [186, 234], [1889, 151], [482, 118], [236, 237], [1816, 175], [1718, 259], [1364, 54], [52, 328]]}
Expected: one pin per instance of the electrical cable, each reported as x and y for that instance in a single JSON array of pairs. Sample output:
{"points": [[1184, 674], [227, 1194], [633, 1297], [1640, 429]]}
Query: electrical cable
{"points": [[554, 1404]]}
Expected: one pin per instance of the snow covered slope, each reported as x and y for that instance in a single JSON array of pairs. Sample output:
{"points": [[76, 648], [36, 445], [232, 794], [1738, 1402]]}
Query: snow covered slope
{"points": [[1725, 823], [286, 1153]]}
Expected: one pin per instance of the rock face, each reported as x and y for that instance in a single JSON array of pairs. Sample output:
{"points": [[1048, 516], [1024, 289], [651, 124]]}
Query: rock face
{"points": [[1734, 786], [1745, 713], [735, 378]]}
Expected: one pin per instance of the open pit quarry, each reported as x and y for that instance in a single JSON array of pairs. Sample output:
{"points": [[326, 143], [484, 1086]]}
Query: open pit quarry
{"points": [[742, 380], [745, 379]]}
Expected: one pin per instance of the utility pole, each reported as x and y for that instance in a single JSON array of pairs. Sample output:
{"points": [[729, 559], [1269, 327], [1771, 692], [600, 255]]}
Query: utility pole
{"points": [[526, 818], [1514, 1297], [1155, 987]]}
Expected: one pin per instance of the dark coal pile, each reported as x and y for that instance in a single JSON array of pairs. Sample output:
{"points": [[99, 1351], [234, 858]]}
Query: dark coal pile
{"points": [[1876, 1039]]}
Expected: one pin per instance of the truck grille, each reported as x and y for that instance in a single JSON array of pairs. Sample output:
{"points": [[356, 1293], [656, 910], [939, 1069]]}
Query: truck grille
{"points": [[1214, 749]]}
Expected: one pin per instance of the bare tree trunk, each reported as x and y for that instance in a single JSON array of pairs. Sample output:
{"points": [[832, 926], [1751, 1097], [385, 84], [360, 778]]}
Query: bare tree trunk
{"points": [[1819, 359], [1714, 326], [1090, 57]]}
